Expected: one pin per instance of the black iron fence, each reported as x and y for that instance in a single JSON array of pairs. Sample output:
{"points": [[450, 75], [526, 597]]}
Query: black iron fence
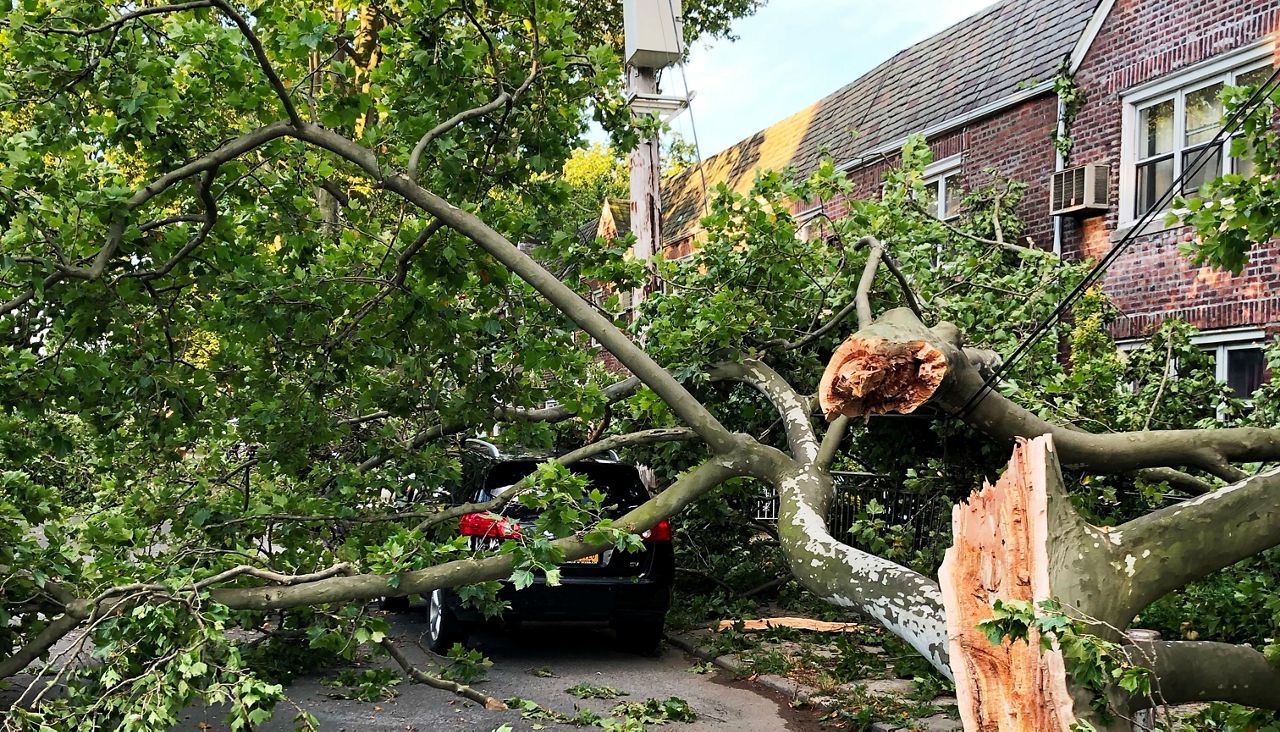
{"points": [[867, 505]]}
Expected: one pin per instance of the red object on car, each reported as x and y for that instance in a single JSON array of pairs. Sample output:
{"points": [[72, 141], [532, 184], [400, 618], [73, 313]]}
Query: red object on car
{"points": [[661, 531], [488, 525]]}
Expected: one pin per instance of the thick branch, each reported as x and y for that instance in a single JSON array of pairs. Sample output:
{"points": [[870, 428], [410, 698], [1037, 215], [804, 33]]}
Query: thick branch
{"points": [[1189, 672], [906, 603], [469, 571], [1165, 550], [55, 631], [792, 408], [644, 437], [898, 364]]}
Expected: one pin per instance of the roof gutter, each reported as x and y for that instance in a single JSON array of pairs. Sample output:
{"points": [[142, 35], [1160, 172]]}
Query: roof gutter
{"points": [[1085, 42], [974, 114]]}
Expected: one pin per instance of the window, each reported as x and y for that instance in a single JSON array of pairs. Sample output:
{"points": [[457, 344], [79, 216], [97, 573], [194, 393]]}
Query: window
{"points": [[1169, 128], [943, 191], [1238, 359]]}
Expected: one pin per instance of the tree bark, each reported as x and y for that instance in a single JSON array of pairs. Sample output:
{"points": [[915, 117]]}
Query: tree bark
{"points": [[1000, 552], [897, 364]]}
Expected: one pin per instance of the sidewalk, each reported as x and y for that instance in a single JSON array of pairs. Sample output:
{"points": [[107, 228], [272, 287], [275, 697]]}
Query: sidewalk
{"points": [[937, 715]]}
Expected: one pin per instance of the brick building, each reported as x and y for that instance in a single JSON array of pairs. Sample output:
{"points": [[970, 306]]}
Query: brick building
{"points": [[1151, 73], [982, 93]]}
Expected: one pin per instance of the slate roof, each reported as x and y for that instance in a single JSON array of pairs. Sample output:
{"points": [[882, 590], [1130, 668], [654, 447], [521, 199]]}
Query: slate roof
{"points": [[620, 211], [981, 60]]}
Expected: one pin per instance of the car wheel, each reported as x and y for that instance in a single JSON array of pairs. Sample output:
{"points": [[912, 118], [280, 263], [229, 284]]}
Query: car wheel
{"points": [[443, 627], [640, 636]]}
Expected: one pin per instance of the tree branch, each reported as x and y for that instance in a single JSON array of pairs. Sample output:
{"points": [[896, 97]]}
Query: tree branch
{"points": [[792, 408], [1165, 550], [898, 364], [1188, 672], [422, 677], [260, 54], [469, 571], [863, 297], [643, 437], [141, 12], [503, 98]]}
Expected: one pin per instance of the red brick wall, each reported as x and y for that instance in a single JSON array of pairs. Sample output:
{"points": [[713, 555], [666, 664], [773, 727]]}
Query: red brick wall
{"points": [[1015, 142], [1141, 41]]}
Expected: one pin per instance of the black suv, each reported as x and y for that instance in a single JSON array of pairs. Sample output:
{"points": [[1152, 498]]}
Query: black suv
{"points": [[630, 591]]}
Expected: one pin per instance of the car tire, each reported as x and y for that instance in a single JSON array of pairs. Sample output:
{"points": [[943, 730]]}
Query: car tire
{"points": [[443, 627], [639, 636], [395, 604]]}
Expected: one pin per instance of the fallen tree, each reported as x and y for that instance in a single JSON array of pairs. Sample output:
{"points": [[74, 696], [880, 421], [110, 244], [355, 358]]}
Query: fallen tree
{"points": [[230, 368]]}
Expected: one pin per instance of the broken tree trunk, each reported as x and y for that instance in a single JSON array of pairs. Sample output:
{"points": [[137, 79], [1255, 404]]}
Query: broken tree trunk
{"points": [[1000, 552], [1021, 539]]}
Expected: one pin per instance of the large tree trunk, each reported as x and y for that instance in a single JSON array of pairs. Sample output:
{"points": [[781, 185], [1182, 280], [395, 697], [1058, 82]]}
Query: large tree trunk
{"points": [[1021, 539]]}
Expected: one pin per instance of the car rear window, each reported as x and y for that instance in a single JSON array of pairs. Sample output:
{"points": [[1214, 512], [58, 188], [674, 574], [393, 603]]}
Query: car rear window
{"points": [[619, 482]]}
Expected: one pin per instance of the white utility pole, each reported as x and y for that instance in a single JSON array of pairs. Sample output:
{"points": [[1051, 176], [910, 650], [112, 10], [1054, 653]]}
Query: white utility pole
{"points": [[646, 196], [652, 40]]}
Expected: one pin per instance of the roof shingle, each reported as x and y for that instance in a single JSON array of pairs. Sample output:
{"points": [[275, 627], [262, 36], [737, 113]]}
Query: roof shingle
{"points": [[981, 60]]}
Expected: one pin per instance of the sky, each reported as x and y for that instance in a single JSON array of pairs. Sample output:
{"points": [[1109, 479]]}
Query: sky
{"points": [[792, 53]]}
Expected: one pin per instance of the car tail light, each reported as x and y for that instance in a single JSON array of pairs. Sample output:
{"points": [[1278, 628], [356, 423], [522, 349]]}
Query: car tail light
{"points": [[661, 531], [488, 525]]}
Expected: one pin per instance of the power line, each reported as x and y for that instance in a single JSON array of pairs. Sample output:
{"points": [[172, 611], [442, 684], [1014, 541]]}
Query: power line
{"points": [[1214, 147], [688, 104]]}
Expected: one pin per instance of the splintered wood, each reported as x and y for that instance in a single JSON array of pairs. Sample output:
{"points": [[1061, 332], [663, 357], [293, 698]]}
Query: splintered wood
{"points": [[1000, 552], [819, 626], [867, 376]]}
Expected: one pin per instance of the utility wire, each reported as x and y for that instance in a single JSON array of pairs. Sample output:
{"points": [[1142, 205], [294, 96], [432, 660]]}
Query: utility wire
{"points": [[688, 104], [1249, 107]]}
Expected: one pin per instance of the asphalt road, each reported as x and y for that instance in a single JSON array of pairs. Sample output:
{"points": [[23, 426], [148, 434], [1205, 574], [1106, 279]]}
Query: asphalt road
{"points": [[574, 654]]}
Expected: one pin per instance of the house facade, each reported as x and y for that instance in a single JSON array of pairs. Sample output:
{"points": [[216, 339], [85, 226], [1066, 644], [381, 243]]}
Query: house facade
{"points": [[1150, 73], [982, 92]]}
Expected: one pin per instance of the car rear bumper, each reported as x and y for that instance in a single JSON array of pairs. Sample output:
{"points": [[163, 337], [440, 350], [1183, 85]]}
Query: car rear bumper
{"points": [[580, 598]]}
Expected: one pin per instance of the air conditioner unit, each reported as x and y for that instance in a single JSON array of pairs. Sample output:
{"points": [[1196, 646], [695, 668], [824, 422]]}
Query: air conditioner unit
{"points": [[1080, 191]]}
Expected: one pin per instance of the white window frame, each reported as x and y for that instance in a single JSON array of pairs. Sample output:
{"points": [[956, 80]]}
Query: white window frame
{"points": [[1222, 69], [1219, 342], [938, 175]]}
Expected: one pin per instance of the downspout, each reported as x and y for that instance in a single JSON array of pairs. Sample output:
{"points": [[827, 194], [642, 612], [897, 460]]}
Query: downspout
{"points": [[1059, 163]]}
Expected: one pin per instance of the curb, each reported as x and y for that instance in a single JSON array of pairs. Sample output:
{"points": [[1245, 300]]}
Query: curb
{"points": [[786, 687]]}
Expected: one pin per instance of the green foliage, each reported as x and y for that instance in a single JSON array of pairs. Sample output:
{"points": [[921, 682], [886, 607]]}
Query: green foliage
{"points": [[1071, 99], [466, 665], [624, 717], [1240, 604], [591, 691], [1095, 664], [1236, 212], [1229, 718], [366, 685]]}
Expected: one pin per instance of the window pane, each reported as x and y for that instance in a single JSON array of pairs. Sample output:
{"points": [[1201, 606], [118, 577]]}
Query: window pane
{"points": [[1255, 77], [1244, 370], [951, 206], [930, 198], [1154, 178], [1205, 170], [1204, 114], [1155, 126]]}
